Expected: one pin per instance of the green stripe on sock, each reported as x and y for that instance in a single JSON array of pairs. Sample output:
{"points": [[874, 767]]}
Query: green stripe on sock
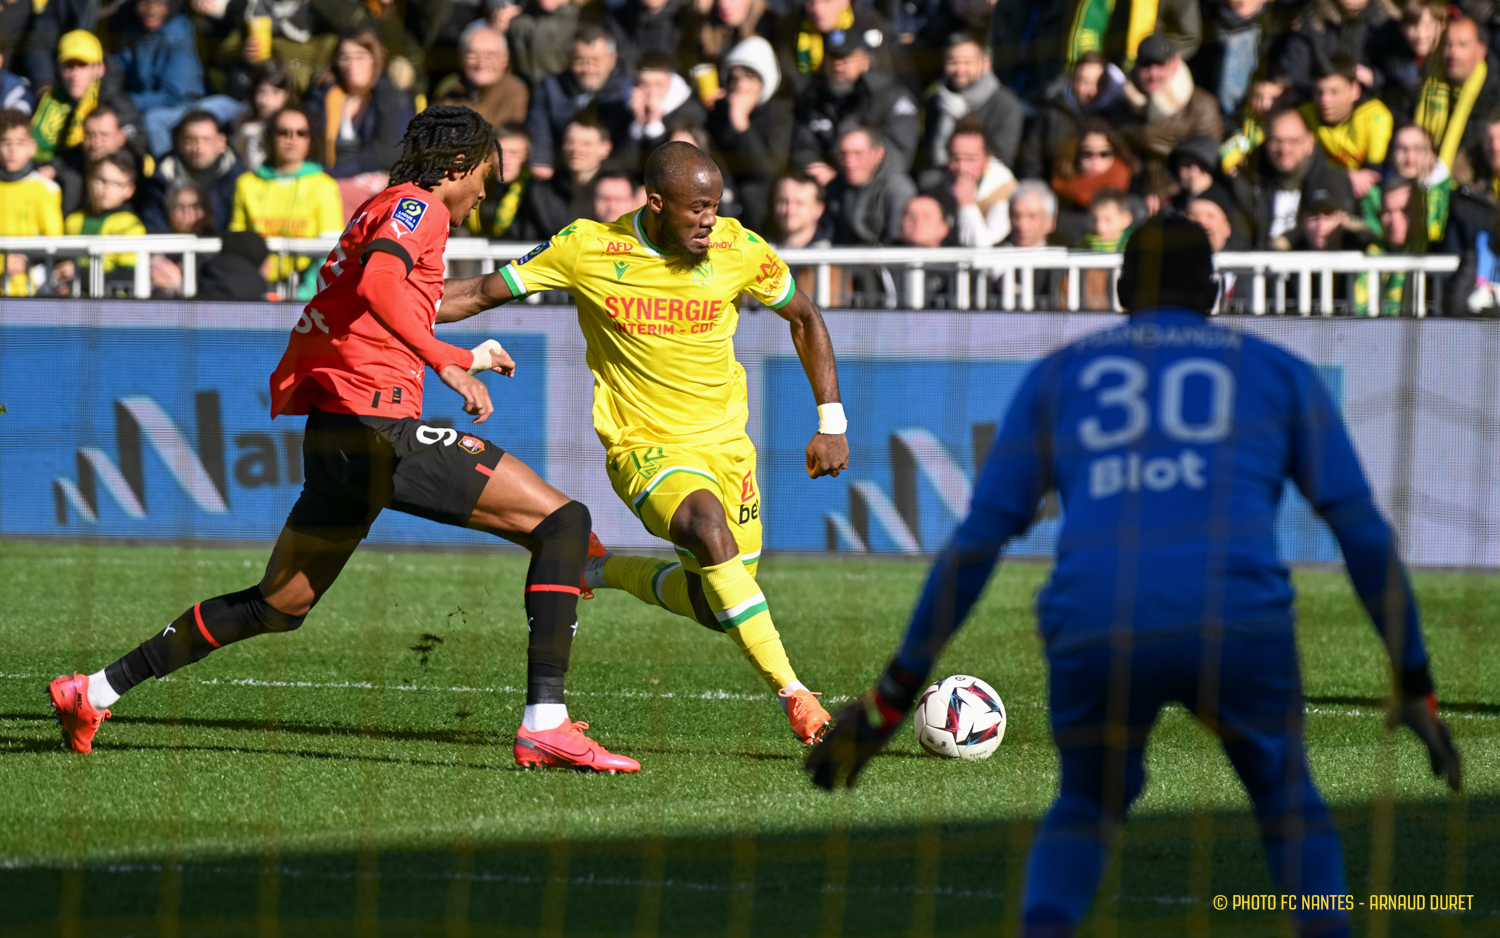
{"points": [[745, 616], [661, 574]]}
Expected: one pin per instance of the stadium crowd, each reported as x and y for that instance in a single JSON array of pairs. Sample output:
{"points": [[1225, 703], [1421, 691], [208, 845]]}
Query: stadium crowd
{"points": [[1276, 124]]}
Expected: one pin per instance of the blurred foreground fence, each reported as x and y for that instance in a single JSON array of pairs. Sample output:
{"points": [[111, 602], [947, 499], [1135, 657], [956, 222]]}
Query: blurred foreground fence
{"points": [[1295, 283], [151, 420]]}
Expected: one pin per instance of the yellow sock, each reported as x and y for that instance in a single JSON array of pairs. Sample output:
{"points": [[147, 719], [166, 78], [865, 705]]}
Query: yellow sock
{"points": [[651, 580], [740, 607]]}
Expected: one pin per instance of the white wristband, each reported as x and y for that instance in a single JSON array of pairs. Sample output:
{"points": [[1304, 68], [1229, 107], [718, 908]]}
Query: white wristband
{"points": [[831, 419], [482, 356]]}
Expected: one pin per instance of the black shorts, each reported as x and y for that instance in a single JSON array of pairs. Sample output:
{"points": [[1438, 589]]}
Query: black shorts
{"points": [[355, 466]]}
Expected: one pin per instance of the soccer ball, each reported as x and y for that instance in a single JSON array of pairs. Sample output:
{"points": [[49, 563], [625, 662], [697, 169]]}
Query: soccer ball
{"points": [[960, 717]]}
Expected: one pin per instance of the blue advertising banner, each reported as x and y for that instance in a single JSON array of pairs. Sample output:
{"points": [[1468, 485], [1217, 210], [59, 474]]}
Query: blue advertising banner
{"points": [[923, 430], [150, 420], [166, 433]]}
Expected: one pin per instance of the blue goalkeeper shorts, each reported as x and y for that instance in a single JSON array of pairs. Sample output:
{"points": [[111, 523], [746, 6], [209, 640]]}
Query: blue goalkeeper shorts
{"points": [[1248, 691]]}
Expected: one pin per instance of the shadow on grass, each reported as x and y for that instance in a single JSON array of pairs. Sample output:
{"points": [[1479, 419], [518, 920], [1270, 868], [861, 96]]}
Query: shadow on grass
{"points": [[948, 880], [481, 739], [1451, 706]]}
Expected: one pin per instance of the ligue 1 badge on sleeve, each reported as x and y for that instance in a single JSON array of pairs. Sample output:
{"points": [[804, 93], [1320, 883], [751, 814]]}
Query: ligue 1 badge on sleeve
{"points": [[409, 212]]}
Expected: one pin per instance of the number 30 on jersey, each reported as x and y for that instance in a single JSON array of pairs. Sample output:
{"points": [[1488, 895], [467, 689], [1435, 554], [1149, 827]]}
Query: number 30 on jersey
{"points": [[1126, 401]]}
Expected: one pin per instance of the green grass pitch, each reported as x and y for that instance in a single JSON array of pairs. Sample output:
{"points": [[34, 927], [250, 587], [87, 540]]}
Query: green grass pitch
{"points": [[355, 778]]}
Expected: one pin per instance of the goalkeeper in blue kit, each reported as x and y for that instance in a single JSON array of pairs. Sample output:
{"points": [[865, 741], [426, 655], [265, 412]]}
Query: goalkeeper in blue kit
{"points": [[1168, 440]]}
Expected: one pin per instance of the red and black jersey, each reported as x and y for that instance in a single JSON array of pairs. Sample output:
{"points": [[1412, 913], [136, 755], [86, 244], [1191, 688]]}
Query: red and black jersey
{"points": [[341, 358]]}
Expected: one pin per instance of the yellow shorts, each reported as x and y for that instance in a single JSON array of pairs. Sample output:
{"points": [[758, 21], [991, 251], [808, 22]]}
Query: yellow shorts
{"points": [[654, 480]]}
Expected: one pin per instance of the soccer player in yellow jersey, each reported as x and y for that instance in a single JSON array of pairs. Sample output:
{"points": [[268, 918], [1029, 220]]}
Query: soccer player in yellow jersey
{"points": [[658, 299]]}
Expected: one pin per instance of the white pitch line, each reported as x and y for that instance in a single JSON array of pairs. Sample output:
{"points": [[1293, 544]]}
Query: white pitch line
{"points": [[646, 695], [366, 685]]}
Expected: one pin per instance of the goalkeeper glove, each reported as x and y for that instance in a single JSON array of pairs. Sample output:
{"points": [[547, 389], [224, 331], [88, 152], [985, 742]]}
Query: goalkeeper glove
{"points": [[1419, 712], [861, 728]]}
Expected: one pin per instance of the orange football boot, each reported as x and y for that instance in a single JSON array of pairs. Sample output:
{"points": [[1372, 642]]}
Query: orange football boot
{"points": [[566, 747], [596, 549], [808, 717], [78, 718]]}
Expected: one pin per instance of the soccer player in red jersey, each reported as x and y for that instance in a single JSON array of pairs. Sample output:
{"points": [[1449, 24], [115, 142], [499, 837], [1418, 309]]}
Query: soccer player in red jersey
{"points": [[354, 365]]}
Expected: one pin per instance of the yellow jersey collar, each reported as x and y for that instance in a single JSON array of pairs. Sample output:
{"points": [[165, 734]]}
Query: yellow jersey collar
{"points": [[640, 233]]}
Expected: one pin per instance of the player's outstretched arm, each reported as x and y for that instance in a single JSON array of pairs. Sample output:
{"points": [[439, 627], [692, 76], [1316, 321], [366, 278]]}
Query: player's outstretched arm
{"points": [[469, 296], [1327, 470], [828, 453]]}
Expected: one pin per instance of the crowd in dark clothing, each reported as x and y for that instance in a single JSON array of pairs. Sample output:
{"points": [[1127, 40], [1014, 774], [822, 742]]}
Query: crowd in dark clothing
{"points": [[1277, 124]]}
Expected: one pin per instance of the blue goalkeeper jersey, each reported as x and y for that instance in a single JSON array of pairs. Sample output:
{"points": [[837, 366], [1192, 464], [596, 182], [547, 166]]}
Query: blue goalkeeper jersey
{"points": [[1168, 440]]}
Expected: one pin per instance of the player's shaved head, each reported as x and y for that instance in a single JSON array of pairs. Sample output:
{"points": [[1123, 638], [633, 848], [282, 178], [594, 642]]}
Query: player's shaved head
{"points": [[679, 164], [683, 187]]}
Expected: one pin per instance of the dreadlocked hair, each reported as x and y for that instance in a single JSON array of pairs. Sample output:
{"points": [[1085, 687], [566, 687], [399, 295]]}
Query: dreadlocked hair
{"points": [[444, 137]]}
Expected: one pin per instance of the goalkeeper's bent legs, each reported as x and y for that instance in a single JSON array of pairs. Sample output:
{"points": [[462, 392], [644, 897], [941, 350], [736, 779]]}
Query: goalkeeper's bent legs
{"points": [[1260, 722], [1073, 846], [1101, 747]]}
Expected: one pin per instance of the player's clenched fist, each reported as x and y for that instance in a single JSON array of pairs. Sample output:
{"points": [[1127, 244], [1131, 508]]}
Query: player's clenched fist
{"points": [[827, 454], [476, 396]]}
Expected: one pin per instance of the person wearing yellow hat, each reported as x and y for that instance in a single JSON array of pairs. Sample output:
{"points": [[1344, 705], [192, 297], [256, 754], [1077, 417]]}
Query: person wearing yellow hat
{"points": [[83, 82]]}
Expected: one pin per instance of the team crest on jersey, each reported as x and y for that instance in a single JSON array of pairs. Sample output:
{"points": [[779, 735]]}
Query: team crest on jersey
{"points": [[473, 444], [648, 461], [409, 213], [531, 254], [703, 274]]}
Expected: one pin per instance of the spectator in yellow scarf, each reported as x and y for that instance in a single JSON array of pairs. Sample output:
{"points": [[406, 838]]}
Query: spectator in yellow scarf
{"points": [[84, 82], [1467, 86]]}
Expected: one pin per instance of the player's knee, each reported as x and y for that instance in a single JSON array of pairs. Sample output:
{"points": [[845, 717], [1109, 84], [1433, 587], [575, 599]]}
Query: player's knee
{"points": [[569, 524], [283, 615], [700, 523], [281, 606]]}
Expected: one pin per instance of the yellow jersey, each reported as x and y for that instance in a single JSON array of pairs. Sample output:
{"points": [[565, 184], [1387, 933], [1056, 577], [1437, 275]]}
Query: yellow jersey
{"points": [[33, 206], [660, 331], [304, 204], [1360, 141], [117, 222]]}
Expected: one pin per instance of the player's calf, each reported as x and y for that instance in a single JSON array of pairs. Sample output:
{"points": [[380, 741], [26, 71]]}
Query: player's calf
{"points": [[83, 701], [552, 591]]}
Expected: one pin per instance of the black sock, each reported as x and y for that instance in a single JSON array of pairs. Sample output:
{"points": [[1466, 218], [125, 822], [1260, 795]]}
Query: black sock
{"points": [[211, 624], [552, 587], [128, 671]]}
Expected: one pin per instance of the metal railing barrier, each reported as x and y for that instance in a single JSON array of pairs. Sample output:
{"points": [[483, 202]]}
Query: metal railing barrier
{"points": [[1279, 282]]}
